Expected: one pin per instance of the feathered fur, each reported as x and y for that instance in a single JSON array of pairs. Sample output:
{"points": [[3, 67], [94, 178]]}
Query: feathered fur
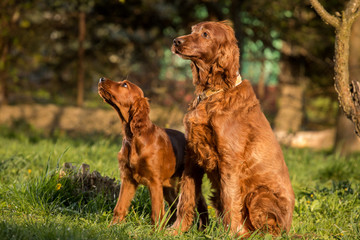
{"points": [[230, 140], [149, 155]]}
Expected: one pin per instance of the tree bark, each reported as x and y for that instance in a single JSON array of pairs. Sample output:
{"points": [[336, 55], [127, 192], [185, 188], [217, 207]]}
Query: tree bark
{"points": [[80, 75], [354, 57], [4, 95], [346, 140], [348, 91], [9, 16]]}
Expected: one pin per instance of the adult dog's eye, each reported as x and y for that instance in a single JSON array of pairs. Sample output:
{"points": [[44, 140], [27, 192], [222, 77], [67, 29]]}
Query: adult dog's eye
{"points": [[205, 34], [124, 85]]}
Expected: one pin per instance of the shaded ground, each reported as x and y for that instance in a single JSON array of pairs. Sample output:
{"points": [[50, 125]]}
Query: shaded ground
{"points": [[84, 121], [54, 120]]}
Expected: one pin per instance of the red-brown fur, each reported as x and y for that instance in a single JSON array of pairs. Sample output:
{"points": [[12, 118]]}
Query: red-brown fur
{"points": [[230, 140], [149, 155]]}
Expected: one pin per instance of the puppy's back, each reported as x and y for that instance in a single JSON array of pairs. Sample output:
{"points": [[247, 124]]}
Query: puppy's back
{"points": [[178, 143]]}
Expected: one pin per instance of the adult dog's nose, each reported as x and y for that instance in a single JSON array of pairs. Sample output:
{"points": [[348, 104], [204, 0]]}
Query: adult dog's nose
{"points": [[178, 41], [102, 79]]}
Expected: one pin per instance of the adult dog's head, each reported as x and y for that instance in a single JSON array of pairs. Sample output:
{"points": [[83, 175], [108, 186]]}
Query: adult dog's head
{"points": [[213, 49], [125, 97]]}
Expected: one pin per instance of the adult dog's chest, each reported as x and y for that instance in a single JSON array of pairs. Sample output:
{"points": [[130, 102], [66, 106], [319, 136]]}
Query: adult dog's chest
{"points": [[201, 136]]}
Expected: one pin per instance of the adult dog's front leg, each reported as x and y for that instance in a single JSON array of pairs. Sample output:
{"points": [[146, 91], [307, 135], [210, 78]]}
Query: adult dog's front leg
{"points": [[230, 199], [127, 192], [191, 190]]}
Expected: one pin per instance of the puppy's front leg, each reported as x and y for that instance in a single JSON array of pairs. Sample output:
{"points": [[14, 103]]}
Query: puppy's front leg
{"points": [[157, 202], [127, 192], [170, 196]]}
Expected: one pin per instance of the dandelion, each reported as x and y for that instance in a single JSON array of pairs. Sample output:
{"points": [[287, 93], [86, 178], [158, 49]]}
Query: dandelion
{"points": [[29, 171], [312, 195], [308, 202], [58, 186]]}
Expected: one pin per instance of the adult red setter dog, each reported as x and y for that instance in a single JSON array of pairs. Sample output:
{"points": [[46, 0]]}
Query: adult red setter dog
{"points": [[149, 155], [230, 140]]}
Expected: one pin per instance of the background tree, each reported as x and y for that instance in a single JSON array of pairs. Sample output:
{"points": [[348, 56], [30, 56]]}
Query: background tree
{"points": [[291, 28], [131, 39], [346, 139], [10, 12], [348, 91]]}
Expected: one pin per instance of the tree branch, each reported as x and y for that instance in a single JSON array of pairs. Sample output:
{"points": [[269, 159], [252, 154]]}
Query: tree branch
{"points": [[326, 17], [353, 10], [348, 92], [352, 6]]}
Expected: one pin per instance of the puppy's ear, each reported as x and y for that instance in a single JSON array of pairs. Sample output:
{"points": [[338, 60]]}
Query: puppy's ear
{"points": [[139, 115]]}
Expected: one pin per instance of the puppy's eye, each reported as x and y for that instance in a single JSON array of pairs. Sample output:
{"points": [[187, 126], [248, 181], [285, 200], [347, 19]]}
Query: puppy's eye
{"points": [[125, 85], [205, 35]]}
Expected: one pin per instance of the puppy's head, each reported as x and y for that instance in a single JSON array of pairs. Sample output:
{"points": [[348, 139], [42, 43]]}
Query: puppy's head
{"points": [[120, 95]]}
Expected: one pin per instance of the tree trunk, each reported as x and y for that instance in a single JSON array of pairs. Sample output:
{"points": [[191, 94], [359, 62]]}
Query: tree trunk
{"points": [[291, 99], [235, 12], [4, 95], [348, 91], [354, 57], [346, 140], [261, 82], [80, 76]]}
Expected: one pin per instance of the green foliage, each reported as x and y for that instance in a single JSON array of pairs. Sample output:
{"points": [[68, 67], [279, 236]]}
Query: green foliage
{"points": [[34, 206], [132, 39]]}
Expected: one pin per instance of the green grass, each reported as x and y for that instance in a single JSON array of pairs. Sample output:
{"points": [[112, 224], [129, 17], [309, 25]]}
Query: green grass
{"points": [[327, 189]]}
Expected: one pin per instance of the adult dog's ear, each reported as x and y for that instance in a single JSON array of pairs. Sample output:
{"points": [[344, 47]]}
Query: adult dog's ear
{"points": [[228, 62], [139, 115], [228, 57]]}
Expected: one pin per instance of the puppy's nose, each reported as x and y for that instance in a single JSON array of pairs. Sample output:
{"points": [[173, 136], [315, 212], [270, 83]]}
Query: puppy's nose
{"points": [[102, 79], [178, 41]]}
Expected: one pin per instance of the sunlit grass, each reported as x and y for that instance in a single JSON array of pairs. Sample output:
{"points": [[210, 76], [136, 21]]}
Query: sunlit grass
{"points": [[36, 204]]}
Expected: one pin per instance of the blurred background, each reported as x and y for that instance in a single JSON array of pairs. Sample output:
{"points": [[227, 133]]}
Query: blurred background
{"points": [[52, 54]]}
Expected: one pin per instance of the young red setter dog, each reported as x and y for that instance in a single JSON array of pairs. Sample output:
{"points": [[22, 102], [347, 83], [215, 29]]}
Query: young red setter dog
{"points": [[230, 140], [149, 155]]}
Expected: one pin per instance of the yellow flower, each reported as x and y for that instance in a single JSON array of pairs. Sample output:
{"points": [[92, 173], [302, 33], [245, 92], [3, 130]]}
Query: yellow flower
{"points": [[312, 195], [346, 189], [308, 202], [58, 186], [29, 171], [210, 207]]}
